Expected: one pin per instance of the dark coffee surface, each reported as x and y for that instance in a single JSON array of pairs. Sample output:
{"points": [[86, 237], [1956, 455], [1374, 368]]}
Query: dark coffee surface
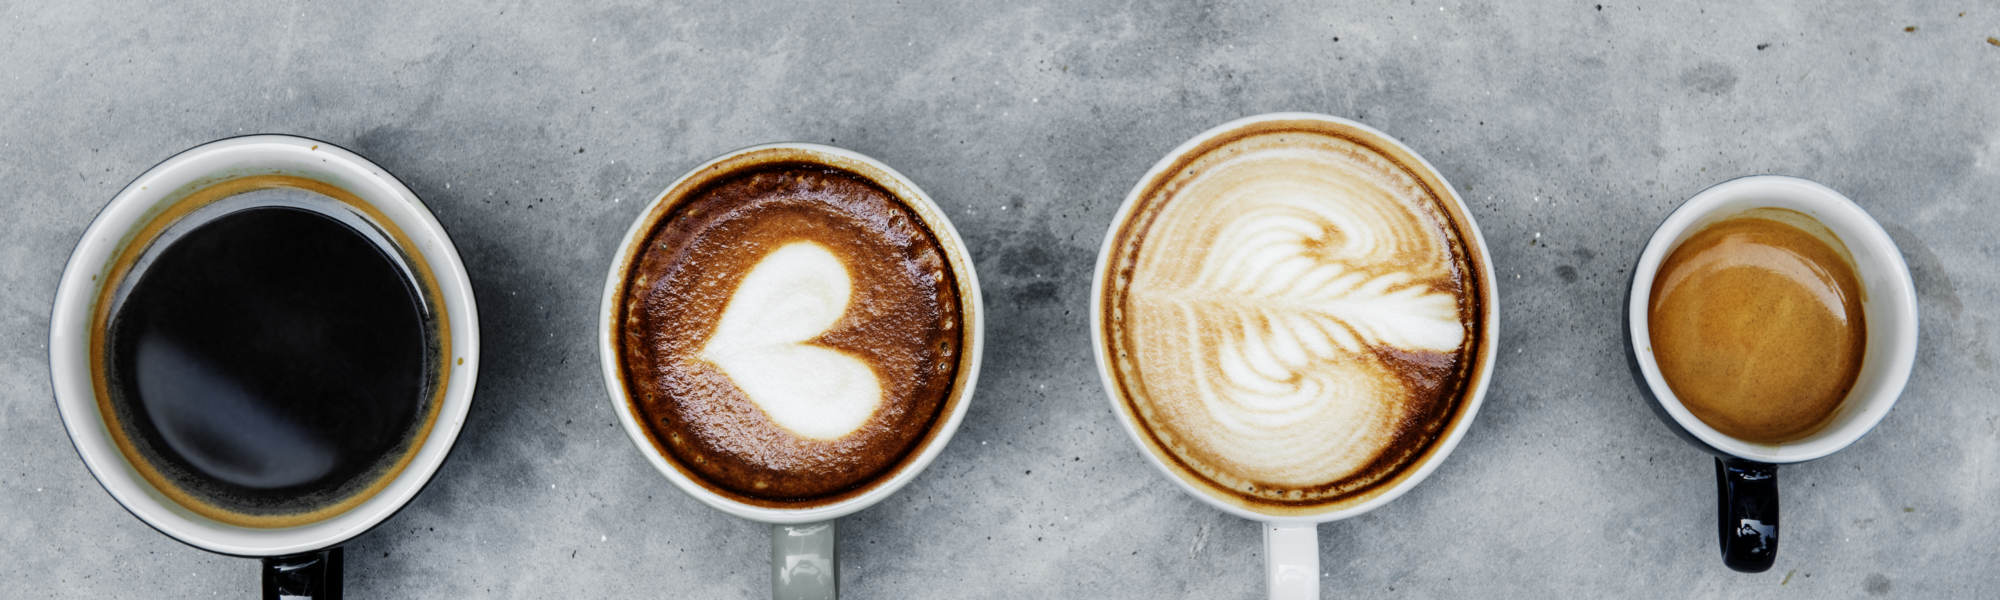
{"points": [[903, 322], [271, 361]]}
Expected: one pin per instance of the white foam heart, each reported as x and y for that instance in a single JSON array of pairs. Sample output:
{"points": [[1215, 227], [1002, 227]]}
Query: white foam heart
{"points": [[794, 294]]}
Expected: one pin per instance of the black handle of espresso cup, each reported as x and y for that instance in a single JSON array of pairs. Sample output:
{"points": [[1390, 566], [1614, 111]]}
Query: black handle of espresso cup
{"points": [[313, 575], [1746, 493]]}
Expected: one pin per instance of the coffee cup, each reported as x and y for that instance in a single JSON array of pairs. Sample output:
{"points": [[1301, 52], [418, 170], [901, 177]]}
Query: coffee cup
{"points": [[1746, 469], [1295, 320], [174, 414], [791, 332]]}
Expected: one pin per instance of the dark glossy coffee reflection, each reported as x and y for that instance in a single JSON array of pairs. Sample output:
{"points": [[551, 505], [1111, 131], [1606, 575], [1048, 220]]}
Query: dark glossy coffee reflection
{"points": [[273, 360]]}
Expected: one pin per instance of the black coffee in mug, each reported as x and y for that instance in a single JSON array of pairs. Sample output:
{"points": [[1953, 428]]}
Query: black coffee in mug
{"points": [[270, 358]]}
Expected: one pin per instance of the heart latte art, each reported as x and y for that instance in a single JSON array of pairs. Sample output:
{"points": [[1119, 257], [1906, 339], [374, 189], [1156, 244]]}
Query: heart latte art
{"points": [[790, 332], [1290, 321], [792, 296]]}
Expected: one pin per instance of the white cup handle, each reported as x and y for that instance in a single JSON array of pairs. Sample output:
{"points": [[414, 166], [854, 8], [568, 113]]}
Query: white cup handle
{"points": [[1291, 560], [803, 561]]}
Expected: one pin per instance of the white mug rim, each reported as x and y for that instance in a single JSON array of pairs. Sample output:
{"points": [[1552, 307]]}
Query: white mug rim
{"points": [[1859, 232], [615, 384], [1445, 446], [134, 206]]}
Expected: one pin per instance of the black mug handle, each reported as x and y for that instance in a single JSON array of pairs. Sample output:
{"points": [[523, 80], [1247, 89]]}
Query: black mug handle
{"points": [[312, 575], [1746, 493]]}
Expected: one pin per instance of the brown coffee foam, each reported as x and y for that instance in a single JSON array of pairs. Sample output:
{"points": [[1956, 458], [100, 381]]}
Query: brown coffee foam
{"points": [[1439, 382], [1756, 321], [179, 204], [905, 320]]}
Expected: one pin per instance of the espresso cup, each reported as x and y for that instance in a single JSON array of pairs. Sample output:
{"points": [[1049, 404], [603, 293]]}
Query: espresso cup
{"points": [[1268, 307], [1746, 471], [173, 201], [758, 256]]}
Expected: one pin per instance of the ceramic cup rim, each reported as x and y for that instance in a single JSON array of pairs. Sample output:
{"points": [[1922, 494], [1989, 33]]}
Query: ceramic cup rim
{"points": [[1446, 444], [956, 252], [1891, 303], [137, 204]]}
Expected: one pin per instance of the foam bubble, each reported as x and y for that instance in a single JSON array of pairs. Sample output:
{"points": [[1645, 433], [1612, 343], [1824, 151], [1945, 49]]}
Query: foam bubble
{"points": [[1262, 297], [793, 295]]}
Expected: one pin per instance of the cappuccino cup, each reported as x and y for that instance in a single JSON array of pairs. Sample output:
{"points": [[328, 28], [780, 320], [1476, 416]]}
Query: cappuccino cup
{"points": [[263, 347], [791, 333], [1762, 372], [1295, 319]]}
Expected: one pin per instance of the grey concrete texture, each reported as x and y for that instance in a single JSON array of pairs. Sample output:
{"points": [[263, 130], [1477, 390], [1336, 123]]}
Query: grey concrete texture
{"points": [[535, 131]]}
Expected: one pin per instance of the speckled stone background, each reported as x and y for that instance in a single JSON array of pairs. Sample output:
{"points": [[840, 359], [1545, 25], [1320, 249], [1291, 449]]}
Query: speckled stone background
{"points": [[534, 130]]}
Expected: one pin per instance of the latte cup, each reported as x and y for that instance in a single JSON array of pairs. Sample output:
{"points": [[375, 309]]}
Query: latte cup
{"points": [[1747, 472], [804, 548], [1290, 533], [300, 559]]}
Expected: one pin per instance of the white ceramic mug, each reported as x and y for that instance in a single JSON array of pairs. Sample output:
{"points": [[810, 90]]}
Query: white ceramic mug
{"points": [[1291, 543], [1746, 473], [302, 553], [803, 541]]}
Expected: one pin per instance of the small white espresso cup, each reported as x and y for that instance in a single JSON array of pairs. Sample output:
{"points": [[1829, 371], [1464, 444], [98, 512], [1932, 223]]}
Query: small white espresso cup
{"points": [[804, 540], [1291, 542], [1746, 473], [299, 557]]}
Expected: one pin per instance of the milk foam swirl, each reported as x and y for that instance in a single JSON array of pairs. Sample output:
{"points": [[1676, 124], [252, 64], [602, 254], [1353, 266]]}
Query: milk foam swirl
{"points": [[1267, 290]]}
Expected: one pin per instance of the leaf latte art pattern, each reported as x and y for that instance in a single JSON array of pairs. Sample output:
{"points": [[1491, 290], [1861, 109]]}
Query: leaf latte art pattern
{"points": [[1292, 313]]}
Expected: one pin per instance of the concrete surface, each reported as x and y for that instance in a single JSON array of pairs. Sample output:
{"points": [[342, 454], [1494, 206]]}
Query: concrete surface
{"points": [[534, 129]]}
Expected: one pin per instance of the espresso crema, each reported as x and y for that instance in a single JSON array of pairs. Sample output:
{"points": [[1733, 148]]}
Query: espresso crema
{"points": [[1757, 325], [791, 332], [1292, 315]]}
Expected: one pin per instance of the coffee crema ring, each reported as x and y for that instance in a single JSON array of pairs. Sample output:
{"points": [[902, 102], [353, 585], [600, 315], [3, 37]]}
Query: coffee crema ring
{"points": [[1292, 316], [790, 333]]}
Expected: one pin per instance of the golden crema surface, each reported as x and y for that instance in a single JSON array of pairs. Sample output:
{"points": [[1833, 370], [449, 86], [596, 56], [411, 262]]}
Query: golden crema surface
{"points": [[1756, 323], [1290, 318]]}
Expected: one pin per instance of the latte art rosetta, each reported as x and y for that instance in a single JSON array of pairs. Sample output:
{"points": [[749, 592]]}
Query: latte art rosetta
{"points": [[1291, 315]]}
